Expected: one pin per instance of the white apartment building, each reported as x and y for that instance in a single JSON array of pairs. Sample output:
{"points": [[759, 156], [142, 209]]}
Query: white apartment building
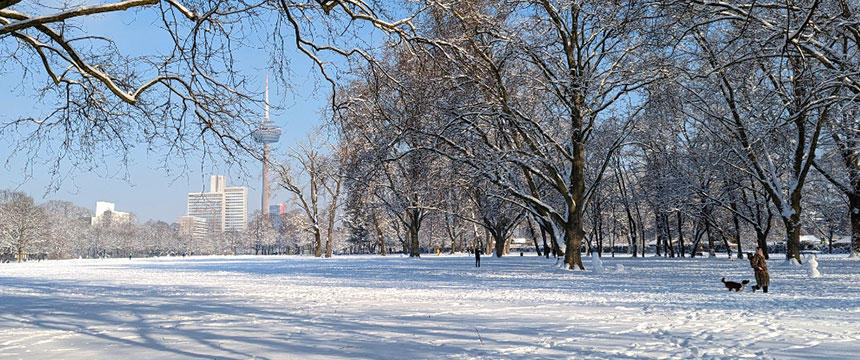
{"points": [[223, 208], [192, 227], [116, 217], [235, 208], [210, 207]]}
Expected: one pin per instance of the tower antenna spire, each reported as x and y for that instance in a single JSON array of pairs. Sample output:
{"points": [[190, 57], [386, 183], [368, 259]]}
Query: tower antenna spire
{"points": [[266, 134]]}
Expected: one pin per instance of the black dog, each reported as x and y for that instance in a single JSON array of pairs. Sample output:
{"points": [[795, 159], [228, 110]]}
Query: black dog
{"points": [[731, 285]]}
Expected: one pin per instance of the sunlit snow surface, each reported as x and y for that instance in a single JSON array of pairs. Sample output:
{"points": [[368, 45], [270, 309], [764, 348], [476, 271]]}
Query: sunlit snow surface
{"points": [[436, 307]]}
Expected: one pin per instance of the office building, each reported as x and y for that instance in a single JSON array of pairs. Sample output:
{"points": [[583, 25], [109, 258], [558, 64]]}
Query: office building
{"points": [[224, 208], [235, 208], [192, 227]]}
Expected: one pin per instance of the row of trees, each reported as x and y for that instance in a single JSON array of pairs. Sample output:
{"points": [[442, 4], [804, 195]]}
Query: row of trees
{"points": [[676, 121], [720, 116], [62, 230]]}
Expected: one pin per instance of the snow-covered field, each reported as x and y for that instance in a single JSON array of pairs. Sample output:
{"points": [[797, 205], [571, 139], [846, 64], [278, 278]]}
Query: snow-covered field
{"points": [[436, 307]]}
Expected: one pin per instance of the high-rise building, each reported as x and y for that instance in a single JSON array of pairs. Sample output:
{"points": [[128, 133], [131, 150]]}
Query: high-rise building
{"points": [[217, 183], [224, 208], [235, 208], [192, 227], [208, 206]]}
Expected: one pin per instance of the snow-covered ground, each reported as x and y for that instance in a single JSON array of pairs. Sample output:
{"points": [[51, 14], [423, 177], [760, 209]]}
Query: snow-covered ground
{"points": [[436, 307]]}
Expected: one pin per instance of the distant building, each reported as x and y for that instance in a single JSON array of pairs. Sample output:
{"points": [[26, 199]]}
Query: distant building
{"points": [[223, 208], [192, 227], [209, 207], [235, 208], [276, 215], [103, 208]]}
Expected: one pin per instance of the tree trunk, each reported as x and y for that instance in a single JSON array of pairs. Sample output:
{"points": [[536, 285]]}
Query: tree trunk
{"points": [[666, 226], [378, 229], [658, 228], [728, 247], [737, 223], [599, 234], [507, 248], [381, 245], [681, 248], [711, 251], [641, 229], [330, 233], [488, 246], [612, 238], [697, 239], [573, 226], [854, 201], [546, 248], [792, 238], [634, 244], [499, 243], [414, 248], [573, 240], [317, 242], [534, 235], [761, 240], [413, 216]]}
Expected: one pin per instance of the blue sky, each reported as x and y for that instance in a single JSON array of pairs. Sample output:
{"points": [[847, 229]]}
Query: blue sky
{"points": [[152, 192]]}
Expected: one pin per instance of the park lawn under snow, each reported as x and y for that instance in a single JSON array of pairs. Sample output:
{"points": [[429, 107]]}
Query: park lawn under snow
{"points": [[436, 307]]}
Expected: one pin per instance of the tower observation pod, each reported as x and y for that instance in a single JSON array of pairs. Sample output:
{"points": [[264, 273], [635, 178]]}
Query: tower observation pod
{"points": [[266, 134]]}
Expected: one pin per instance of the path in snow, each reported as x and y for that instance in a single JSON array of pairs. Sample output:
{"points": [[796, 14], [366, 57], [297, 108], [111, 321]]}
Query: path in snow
{"points": [[437, 307]]}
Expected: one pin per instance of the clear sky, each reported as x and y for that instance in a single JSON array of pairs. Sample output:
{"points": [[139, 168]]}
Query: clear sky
{"points": [[153, 192]]}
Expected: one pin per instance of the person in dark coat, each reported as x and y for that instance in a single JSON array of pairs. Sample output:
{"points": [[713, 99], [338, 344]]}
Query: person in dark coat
{"points": [[762, 278], [478, 256]]}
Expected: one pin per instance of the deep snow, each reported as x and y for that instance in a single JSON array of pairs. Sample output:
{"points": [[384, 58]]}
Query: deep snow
{"points": [[436, 307]]}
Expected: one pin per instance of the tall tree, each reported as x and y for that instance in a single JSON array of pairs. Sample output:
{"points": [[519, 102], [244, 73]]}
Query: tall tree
{"points": [[771, 100], [22, 223]]}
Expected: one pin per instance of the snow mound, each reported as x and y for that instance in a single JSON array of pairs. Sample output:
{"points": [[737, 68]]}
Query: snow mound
{"points": [[596, 263], [620, 269], [812, 266], [793, 262]]}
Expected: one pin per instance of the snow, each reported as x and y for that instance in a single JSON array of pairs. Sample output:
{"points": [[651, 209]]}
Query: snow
{"points": [[436, 307], [793, 262], [810, 239]]}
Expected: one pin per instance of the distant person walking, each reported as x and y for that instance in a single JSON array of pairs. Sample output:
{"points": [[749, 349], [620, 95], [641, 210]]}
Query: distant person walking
{"points": [[762, 278], [477, 256]]}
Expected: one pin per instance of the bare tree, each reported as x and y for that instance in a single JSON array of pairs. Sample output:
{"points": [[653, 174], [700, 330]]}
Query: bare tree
{"points": [[22, 223], [333, 187], [183, 96], [532, 63], [305, 179], [262, 232]]}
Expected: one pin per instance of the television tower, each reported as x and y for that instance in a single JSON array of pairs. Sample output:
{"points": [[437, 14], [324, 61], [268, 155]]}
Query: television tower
{"points": [[266, 134]]}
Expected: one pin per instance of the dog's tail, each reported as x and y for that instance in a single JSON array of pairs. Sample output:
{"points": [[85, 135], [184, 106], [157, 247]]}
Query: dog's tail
{"points": [[723, 280]]}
